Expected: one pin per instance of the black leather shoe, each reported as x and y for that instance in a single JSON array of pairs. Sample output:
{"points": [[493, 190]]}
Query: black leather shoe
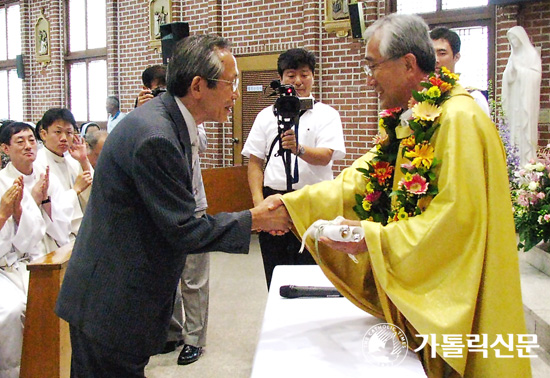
{"points": [[189, 354], [171, 346]]}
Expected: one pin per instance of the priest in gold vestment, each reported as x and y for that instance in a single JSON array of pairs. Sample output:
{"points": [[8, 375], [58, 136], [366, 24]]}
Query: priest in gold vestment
{"points": [[452, 270]]}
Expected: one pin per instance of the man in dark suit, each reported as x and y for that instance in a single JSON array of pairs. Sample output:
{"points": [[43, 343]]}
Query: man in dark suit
{"points": [[118, 291]]}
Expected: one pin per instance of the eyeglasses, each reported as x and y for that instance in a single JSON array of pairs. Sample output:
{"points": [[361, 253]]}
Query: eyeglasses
{"points": [[234, 83], [370, 68]]}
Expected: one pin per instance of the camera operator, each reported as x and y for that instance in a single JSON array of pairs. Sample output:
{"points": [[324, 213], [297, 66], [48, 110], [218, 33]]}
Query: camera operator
{"points": [[320, 141], [154, 83]]}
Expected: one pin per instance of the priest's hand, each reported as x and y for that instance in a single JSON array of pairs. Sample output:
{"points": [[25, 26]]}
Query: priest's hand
{"points": [[351, 248], [17, 208], [10, 199], [79, 152], [82, 182], [40, 190]]}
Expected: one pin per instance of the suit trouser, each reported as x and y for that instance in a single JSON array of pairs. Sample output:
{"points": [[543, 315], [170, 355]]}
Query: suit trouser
{"points": [[90, 359], [13, 291], [193, 293]]}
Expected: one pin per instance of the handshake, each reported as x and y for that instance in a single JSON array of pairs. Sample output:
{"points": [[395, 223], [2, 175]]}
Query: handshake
{"points": [[271, 216]]}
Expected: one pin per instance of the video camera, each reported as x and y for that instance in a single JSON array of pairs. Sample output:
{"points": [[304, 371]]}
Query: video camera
{"points": [[287, 109], [288, 106]]}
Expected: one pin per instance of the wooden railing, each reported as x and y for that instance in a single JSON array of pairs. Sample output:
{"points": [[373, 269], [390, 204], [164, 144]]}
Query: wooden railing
{"points": [[227, 189], [46, 342]]}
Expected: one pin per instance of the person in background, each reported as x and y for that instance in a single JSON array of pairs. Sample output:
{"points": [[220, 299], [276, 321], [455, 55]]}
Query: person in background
{"points": [[115, 115], [447, 52], [94, 142], [66, 156], [118, 290], [154, 83], [34, 221], [320, 142], [87, 128]]}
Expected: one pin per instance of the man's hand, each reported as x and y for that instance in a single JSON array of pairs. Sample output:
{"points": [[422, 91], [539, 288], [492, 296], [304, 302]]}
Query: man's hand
{"points": [[82, 182], [40, 190], [10, 199], [144, 96], [270, 216], [79, 152], [288, 140], [351, 248], [17, 208]]}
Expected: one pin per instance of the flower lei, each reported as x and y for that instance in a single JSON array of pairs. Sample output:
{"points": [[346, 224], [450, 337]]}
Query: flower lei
{"points": [[417, 187]]}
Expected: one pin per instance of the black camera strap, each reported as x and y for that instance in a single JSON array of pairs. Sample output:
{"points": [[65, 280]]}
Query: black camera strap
{"points": [[296, 177]]}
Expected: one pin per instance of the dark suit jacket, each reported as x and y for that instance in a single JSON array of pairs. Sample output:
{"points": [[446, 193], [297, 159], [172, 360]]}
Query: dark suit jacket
{"points": [[139, 225]]}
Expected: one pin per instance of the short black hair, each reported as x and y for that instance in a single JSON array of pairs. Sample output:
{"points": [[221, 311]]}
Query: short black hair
{"points": [[54, 114], [295, 58], [156, 72], [448, 35], [10, 129]]}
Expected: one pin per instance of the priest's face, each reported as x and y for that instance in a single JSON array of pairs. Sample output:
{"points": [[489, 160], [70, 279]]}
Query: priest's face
{"points": [[58, 137], [21, 150], [389, 77]]}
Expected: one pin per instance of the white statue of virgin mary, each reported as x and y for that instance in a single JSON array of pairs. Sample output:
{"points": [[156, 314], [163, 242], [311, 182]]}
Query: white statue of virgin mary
{"points": [[521, 93]]}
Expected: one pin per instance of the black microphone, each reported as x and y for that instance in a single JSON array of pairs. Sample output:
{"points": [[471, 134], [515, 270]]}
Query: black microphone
{"points": [[291, 291]]}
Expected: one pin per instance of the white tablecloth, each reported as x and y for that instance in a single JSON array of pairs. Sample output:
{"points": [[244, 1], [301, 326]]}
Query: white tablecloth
{"points": [[317, 337]]}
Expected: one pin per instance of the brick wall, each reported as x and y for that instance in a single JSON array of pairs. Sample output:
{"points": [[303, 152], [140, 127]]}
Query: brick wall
{"points": [[254, 27]]}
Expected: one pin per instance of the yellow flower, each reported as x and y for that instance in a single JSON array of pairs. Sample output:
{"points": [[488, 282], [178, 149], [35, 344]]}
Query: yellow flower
{"points": [[366, 205], [381, 123], [402, 214], [408, 176], [423, 154], [369, 188], [426, 111], [408, 142], [433, 92], [450, 74]]}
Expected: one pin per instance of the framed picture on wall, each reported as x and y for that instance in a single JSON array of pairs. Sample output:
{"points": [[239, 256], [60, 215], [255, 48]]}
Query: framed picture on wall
{"points": [[160, 13], [42, 39], [337, 17]]}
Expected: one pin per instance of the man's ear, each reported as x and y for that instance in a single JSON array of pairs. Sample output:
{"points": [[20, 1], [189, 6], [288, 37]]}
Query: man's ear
{"points": [[5, 148], [43, 134], [197, 87], [410, 61], [456, 57]]}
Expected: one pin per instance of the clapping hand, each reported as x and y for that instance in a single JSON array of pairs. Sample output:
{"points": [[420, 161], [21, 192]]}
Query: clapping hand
{"points": [[40, 190], [10, 204]]}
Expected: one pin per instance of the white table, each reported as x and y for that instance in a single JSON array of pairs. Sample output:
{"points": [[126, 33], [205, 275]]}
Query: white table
{"points": [[317, 337]]}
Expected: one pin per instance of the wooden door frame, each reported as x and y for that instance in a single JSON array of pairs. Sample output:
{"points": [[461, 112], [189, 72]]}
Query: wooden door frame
{"points": [[248, 63]]}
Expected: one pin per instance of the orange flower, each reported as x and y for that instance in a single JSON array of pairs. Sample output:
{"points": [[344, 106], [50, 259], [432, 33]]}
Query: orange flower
{"points": [[382, 171], [443, 86]]}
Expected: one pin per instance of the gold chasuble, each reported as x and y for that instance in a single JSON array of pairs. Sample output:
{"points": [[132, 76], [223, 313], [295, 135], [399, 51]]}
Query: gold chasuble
{"points": [[452, 270]]}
